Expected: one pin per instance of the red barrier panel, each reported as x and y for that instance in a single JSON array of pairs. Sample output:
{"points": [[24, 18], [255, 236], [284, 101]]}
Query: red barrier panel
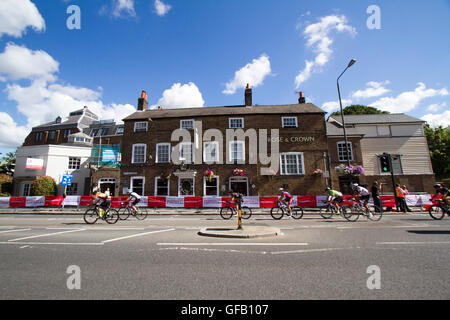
{"points": [[307, 201], [53, 201], [156, 202], [116, 201], [388, 201], [86, 201], [193, 202], [17, 202], [224, 200], [268, 202]]}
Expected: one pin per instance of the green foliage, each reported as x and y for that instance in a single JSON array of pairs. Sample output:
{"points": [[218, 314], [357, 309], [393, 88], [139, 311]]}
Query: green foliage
{"points": [[8, 163], [44, 186], [359, 109], [439, 145], [5, 185]]}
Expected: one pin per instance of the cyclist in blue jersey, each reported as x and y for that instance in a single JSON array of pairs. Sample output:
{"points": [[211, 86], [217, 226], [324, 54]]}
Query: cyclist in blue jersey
{"points": [[287, 199]]}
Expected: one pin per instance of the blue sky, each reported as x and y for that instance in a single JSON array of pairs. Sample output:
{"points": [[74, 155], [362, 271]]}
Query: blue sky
{"points": [[202, 53]]}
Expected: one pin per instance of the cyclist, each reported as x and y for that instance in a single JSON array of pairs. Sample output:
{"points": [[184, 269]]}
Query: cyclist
{"points": [[444, 192], [134, 198], [362, 194], [102, 200], [335, 197], [287, 199]]}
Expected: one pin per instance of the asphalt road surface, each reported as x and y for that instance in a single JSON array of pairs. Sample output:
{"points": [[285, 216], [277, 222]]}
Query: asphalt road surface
{"points": [[163, 257]]}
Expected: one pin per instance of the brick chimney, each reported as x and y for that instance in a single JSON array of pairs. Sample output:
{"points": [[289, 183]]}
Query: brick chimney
{"points": [[248, 96], [142, 102], [301, 99]]}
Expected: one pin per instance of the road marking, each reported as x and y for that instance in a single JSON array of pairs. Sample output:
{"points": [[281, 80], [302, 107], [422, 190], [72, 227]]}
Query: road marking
{"points": [[229, 244], [16, 230], [310, 250], [137, 235], [23, 247], [46, 235], [56, 243], [415, 242]]}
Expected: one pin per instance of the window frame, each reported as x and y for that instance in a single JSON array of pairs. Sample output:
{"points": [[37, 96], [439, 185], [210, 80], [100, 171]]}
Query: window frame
{"points": [[140, 130], [158, 145], [133, 152], [300, 166], [132, 184], [285, 118], [205, 158], [180, 154], [345, 155], [186, 120], [77, 165], [231, 151], [156, 188], [235, 118], [217, 185]]}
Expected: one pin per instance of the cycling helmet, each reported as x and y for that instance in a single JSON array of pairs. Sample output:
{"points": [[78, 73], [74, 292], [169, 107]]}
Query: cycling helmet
{"points": [[327, 189], [437, 185], [281, 189]]}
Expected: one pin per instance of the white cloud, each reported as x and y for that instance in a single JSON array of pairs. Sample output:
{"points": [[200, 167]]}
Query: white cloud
{"points": [[409, 100], [19, 62], [17, 15], [11, 134], [375, 89], [436, 120], [123, 8], [253, 74], [181, 96], [318, 38], [436, 106], [332, 106], [161, 8]]}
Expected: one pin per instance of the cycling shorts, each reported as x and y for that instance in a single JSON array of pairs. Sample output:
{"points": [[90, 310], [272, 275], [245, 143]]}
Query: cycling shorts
{"points": [[365, 198], [339, 199], [289, 200]]}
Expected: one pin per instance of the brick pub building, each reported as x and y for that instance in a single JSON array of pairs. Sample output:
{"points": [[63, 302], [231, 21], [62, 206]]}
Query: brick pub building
{"points": [[147, 150]]}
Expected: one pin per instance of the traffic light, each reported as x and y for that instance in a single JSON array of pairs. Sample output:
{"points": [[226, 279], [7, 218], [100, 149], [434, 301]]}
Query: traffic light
{"points": [[385, 163]]}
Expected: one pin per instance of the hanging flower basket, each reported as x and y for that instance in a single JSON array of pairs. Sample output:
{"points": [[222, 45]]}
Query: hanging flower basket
{"points": [[239, 172], [209, 174], [343, 169], [317, 173]]}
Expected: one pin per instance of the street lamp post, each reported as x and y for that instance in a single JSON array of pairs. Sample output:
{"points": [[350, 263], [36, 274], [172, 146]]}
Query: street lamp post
{"points": [[342, 112]]}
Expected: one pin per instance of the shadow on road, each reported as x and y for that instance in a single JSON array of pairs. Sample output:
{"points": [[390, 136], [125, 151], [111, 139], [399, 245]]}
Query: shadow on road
{"points": [[429, 231]]}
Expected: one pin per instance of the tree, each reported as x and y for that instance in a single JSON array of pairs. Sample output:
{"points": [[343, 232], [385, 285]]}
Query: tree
{"points": [[5, 185], [8, 163], [44, 186], [359, 109], [439, 145]]}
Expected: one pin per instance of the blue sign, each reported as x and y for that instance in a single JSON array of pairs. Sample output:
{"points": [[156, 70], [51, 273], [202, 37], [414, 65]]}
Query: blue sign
{"points": [[67, 180], [109, 155]]}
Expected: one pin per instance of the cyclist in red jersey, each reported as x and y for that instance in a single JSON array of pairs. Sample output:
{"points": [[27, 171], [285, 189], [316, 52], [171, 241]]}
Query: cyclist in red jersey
{"points": [[287, 199]]}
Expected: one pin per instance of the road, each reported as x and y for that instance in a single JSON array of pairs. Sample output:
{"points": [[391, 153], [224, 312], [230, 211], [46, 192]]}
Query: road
{"points": [[163, 257]]}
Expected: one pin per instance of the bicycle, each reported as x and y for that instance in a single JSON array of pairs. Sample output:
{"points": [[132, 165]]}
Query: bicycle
{"points": [[126, 211], [281, 209], [111, 216], [229, 211], [330, 210], [352, 213], [438, 210]]}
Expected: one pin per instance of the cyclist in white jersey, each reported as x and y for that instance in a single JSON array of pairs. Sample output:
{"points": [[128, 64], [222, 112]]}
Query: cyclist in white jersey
{"points": [[134, 198], [362, 194]]}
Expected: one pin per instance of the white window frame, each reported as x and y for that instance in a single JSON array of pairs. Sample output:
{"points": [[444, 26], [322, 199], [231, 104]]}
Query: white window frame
{"points": [[156, 187], [238, 179], [179, 186], [140, 123], [300, 166], [24, 187], [231, 151], [286, 118], [187, 120], [205, 155], [157, 160], [143, 183], [120, 128], [350, 150], [181, 156], [204, 186], [133, 151], [231, 119], [77, 161]]}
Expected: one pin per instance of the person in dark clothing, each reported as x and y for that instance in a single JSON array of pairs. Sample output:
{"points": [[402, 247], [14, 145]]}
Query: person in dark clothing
{"points": [[376, 189]]}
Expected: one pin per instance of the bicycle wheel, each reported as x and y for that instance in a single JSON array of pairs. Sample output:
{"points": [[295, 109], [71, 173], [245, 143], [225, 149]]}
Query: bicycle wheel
{"points": [[297, 213], [111, 216], [377, 213], [436, 212], [327, 212], [90, 216], [246, 213], [226, 213], [351, 214], [141, 213], [277, 213], [124, 213]]}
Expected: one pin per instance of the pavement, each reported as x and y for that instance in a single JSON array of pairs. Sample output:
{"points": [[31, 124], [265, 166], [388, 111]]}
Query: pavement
{"points": [[164, 258]]}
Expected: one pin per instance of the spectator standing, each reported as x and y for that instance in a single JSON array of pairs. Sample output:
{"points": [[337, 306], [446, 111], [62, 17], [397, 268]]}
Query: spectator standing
{"points": [[376, 189], [406, 192]]}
